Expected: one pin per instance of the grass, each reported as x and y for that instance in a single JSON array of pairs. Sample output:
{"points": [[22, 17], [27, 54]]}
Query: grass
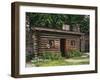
{"points": [[63, 62], [51, 63], [55, 59]]}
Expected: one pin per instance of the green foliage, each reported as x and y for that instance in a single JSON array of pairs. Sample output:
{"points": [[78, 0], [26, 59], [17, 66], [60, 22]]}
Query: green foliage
{"points": [[54, 59], [85, 25], [73, 53], [46, 58], [56, 21], [62, 62], [51, 56], [29, 56]]}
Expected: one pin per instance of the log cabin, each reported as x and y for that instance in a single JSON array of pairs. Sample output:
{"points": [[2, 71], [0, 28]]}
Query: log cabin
{"points": [[56, 41]]}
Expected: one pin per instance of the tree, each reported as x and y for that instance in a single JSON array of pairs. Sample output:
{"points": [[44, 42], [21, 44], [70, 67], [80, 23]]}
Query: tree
{"points": [[85, 24], [56, 21]]}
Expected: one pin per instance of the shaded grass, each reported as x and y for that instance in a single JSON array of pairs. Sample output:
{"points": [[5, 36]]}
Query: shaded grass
{"points": [[63, 62], [79, 58]]}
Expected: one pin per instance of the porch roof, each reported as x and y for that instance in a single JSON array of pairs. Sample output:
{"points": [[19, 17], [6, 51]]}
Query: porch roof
{"points": [[56, 31]]}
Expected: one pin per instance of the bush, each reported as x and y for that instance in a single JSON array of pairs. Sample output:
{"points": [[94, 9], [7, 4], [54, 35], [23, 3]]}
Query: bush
{"points": [[29, 56], [73, 53], [51, 56]]}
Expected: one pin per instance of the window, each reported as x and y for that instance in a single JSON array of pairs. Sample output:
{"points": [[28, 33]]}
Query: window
{"points": [[51, 44], [72, 42]]}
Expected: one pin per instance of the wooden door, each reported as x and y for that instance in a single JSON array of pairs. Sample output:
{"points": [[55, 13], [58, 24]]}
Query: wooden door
{"points": [[63, 47]]}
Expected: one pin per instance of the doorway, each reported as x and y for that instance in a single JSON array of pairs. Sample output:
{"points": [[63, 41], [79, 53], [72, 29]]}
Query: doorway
{"points": [[63, 47]]}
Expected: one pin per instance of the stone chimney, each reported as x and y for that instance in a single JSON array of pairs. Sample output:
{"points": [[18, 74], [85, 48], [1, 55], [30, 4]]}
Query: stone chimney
{"points": [[76, 28], [66, 27]]}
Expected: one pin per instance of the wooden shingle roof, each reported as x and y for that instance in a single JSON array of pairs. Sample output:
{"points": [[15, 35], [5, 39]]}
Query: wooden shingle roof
{"points": [[56, 30]]}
